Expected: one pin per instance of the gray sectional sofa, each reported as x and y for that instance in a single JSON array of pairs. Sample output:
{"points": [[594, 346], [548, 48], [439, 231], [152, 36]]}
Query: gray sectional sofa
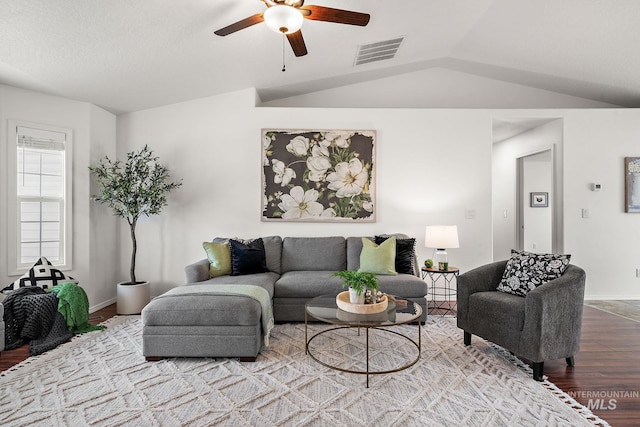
{"points": [[208, 318], [301, 268]]}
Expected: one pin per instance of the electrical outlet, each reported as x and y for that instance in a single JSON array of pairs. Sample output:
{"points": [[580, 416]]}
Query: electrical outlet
{"points": [[638, 272]]}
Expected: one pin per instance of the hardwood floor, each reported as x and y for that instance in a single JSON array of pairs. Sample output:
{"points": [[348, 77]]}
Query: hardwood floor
{"points": [[9, 358], [606, 375], [605, 378]]}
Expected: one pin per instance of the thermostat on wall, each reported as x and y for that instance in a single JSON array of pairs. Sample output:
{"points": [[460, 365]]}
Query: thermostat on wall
{"points": [[596, 187]]}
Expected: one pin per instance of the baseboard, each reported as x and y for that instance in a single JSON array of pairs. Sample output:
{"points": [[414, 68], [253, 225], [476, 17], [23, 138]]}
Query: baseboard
{"points": [[97, 307], [611, 298]]}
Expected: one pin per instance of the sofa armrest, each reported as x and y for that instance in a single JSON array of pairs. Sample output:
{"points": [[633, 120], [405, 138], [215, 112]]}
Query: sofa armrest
{"points": [[553, 317], [197, 272], [481, 279]]}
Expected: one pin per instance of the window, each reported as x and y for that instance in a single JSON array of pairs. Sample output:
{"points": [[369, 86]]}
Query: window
{"points": [[40, 195]]}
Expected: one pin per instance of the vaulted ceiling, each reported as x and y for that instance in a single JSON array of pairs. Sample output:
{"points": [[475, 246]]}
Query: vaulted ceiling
{"points": [[128, 55]]}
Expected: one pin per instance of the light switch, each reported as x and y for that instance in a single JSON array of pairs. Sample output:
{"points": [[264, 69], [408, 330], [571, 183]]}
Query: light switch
{"points": [[585, 213]]}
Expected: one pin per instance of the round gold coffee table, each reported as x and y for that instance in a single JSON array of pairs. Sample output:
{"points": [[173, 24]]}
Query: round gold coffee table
{"points": [[325, 309]]}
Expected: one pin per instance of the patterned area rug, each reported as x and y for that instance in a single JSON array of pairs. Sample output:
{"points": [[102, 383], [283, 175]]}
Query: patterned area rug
{"points": [[102, 379]]}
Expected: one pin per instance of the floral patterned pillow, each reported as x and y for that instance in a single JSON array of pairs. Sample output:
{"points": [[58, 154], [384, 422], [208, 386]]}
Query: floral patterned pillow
{"points": [[525, 271]]}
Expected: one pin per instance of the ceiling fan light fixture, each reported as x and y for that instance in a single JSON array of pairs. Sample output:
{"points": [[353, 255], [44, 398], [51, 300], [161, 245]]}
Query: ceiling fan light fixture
{"points": [[283, 19]]}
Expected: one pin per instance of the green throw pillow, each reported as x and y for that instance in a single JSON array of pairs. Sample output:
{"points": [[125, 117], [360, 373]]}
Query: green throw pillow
{"points": [[219, 255], [378, 259]]}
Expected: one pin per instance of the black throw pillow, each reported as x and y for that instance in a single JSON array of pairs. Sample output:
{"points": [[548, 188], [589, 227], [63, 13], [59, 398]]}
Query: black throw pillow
{"points": [[247, 257], [404, 253]]}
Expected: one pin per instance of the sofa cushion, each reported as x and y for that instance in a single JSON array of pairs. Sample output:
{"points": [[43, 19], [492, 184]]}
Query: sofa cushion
{"points": [[273, 252], [307, 284], [405, 253], [403, 285], [219, 256], [202, 310], [378, 259], [502, 317], [314, 254], [247, 258], [526, 271], [264, 280], [354, 249]]}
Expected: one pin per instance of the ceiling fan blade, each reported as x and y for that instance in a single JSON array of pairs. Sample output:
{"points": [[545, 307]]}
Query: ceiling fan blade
{"points": [[340, 16], [240, 25], [297, 43]]}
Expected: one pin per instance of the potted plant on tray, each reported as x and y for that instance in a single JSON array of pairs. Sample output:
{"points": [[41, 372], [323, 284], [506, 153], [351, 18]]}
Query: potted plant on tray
{"points": [[132, 188], [357, 282]]}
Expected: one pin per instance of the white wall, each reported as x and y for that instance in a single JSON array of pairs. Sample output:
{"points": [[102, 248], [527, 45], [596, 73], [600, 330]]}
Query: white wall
{"points": [[436, 88], [214, 145], [432, 166], [606, 244], [92, 128]]}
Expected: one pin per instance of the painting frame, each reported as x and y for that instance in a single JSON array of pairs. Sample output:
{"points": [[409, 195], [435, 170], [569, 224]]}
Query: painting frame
{"points": [[632, 184], [321, 175], [539, 199]]}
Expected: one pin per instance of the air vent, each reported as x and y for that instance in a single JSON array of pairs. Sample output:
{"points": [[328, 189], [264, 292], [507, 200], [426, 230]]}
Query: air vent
{"points": [[378, 51]]}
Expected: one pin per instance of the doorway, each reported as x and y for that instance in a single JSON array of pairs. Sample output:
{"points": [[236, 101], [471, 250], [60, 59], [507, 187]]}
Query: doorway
{"points": [[527, 158], [535, 202]]}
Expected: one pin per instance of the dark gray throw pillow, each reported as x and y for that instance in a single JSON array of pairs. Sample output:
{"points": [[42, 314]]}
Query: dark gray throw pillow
{"points": [[404, 253], [525, 271], [247, 257]]}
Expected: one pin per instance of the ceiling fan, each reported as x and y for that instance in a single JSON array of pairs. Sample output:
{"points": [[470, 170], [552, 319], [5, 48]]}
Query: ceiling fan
{"points": [[286, 17]]}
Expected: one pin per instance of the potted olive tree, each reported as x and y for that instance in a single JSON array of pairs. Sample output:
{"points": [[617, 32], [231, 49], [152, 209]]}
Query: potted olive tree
{"points": [[357, 282], [132, 188]]}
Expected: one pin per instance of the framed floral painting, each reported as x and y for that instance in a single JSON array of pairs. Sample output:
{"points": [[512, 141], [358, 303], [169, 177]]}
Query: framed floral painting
{"points": [[632, 184], [318, 175]]}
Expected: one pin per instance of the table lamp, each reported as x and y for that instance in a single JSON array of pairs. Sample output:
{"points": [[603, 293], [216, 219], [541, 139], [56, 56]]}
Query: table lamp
{"points": [[441, 238]]}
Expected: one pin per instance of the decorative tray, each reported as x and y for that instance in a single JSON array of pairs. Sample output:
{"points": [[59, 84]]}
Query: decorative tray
{"points": [[342, 300]]}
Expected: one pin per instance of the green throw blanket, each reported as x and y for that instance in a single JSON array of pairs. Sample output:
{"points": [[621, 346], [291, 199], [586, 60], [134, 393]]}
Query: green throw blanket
{"points": [[73, 304], [256, 292]]}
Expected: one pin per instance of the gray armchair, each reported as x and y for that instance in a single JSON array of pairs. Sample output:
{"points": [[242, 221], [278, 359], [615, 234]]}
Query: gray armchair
{"points": [[544, 325]]}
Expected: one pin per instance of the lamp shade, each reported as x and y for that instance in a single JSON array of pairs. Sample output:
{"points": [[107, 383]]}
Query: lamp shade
{"points": [[283, 19], [441, 236]]}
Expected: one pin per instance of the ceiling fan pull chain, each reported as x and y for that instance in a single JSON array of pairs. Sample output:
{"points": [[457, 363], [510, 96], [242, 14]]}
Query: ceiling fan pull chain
{"points": [[284, 68]]}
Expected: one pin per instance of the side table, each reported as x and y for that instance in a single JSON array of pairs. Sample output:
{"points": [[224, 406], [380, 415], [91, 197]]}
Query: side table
{"points": [[440, 286]]}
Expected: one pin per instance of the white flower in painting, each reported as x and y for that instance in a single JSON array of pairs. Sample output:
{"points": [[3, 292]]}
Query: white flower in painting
{"points": [[348, 179], [339, 139], [300, 204], [328, 213], [282, 174], [318, 164], [298, 146], [367, 206]]}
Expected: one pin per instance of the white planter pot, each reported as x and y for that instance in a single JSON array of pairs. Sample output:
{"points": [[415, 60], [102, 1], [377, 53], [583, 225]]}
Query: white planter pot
{"points": [[354, 298], [131, 299]]}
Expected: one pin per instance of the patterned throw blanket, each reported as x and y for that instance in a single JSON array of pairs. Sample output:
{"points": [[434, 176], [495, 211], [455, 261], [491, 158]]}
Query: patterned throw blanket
{"points": [[31, 315]]}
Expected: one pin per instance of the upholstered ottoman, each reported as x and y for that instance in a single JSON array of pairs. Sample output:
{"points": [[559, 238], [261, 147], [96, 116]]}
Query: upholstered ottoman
{"points": [[207, 321]]}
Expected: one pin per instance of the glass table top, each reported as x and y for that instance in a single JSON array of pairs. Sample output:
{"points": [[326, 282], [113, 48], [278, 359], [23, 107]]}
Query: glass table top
{"points": [[325, 308]]}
